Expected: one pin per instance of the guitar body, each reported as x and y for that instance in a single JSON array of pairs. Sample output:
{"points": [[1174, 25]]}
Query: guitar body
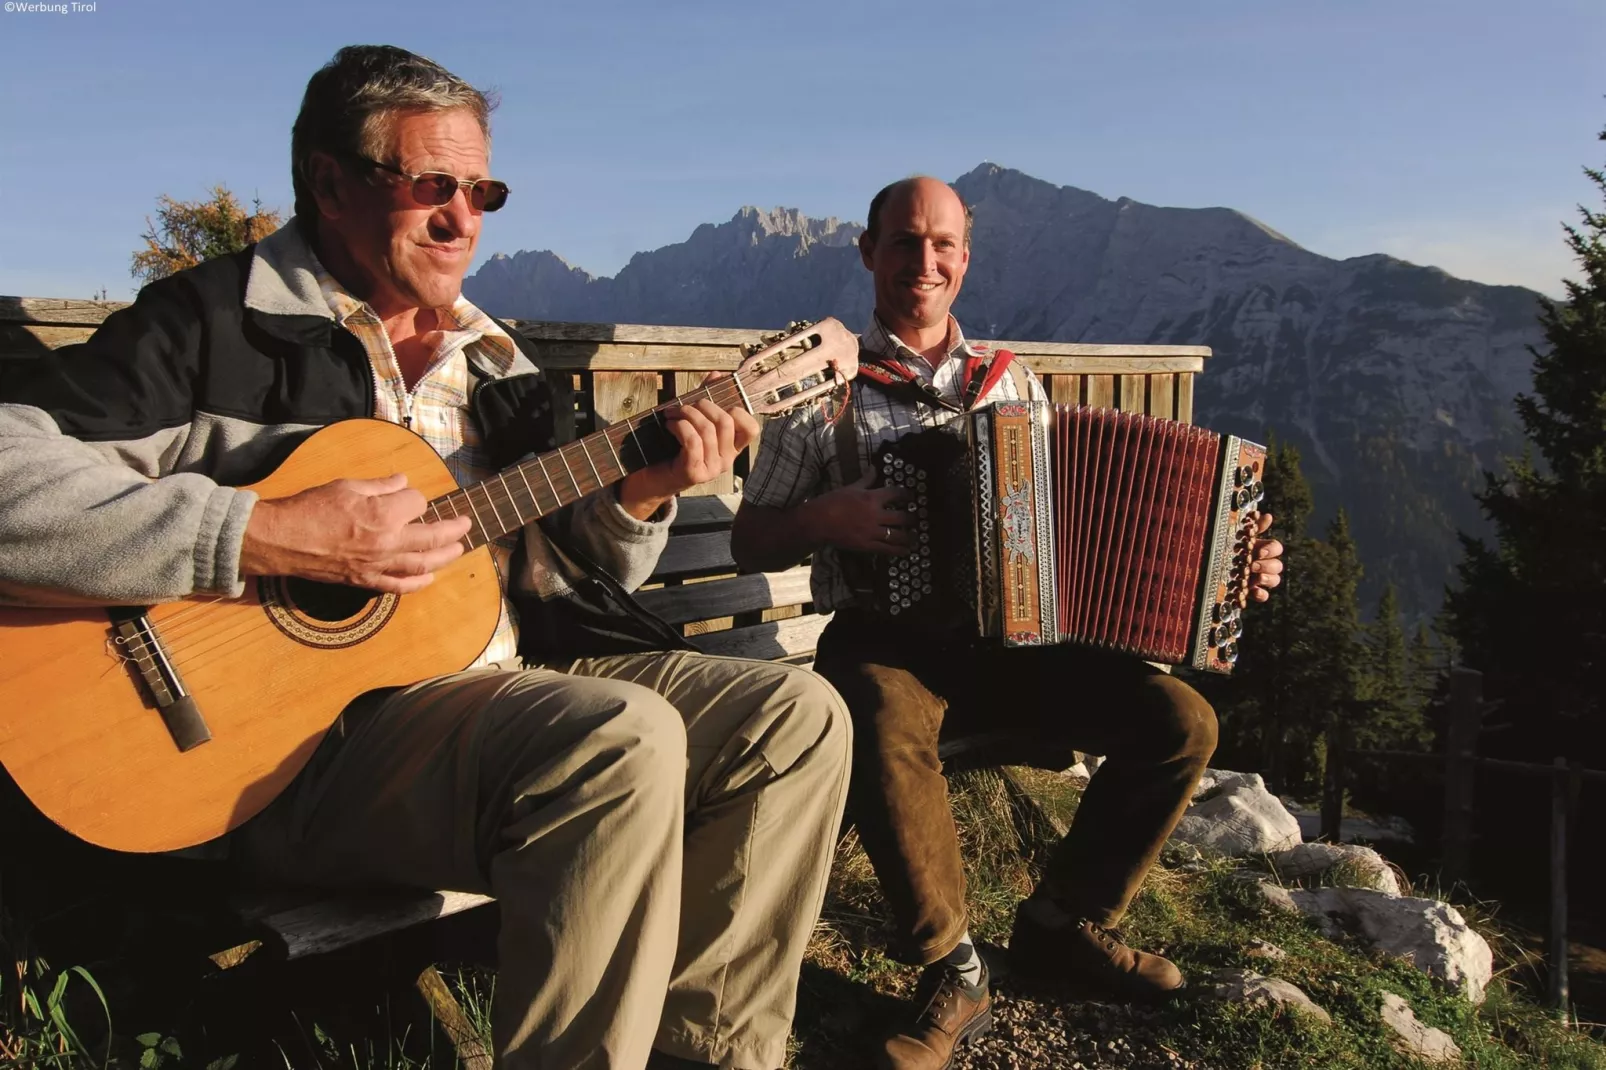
{"points": [[80, 729]]}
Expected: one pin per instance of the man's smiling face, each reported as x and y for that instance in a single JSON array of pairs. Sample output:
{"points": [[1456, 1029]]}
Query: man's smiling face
{"points": [[918, 254]]}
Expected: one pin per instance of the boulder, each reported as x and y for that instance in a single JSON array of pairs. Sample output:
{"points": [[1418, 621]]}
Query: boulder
{"points": [[1246, 986], [1412, 1037], [1367, 868], [1235, 815], [1432, 936], [1216, 781]]}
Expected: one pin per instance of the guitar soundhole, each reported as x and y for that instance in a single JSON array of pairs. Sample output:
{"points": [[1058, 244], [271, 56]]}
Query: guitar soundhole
{"points": [[327, 602], [325, 615]]}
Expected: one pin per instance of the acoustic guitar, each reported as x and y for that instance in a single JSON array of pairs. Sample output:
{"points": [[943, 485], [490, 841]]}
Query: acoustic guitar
{"points": [[160, 727]]}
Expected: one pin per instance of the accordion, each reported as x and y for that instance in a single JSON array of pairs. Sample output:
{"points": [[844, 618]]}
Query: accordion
{"points": [[1038, 524]]}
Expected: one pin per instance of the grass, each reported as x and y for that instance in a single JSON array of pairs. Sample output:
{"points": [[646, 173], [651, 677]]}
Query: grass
{"points": [[1203, 914]]}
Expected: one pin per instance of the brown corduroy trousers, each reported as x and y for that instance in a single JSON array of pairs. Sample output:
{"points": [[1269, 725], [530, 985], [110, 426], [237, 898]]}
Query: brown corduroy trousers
{"points": [[908, 692]]}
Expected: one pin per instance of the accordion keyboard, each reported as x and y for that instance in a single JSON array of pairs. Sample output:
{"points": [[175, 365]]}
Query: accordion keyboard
{"points": [[907, 579]]}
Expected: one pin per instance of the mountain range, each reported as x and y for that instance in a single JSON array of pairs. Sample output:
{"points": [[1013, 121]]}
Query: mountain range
{"points": [[1394, 380]]}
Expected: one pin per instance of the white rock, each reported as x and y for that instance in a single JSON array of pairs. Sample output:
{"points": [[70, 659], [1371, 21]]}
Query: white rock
{"points": [[1314, 859], [1077, 772], [1235, 815], [1246, 986], [1433, 936], [1262, 949], [1215, 781], [1279, 898], [1414, 1038]]}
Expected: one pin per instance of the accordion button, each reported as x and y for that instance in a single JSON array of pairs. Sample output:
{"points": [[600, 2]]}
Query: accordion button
{"points": [[893, 609]]}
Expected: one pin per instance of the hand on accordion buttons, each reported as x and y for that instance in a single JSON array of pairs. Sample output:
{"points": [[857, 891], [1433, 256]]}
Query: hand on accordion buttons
{"points": [[1265, 565], [869, 520]]}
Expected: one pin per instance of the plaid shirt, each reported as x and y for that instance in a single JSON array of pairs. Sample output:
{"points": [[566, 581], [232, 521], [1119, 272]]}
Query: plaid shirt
{"points": [[797, 455], [437, 406]]}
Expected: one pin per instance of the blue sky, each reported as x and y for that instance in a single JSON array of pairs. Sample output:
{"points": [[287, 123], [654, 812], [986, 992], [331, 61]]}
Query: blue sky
{"points": [[1449, 133]]}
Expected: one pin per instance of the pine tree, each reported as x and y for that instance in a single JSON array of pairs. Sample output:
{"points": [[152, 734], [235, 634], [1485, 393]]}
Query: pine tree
{"points": [[1392, 687], [1530, 611], [188, 232]]}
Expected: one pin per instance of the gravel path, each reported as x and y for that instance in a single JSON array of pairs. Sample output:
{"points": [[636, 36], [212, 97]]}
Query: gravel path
{"points": [[1036, 1027]]}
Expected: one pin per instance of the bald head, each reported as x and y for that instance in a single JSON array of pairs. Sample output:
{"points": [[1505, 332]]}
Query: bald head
{"points": [[917, 245], [905, 186]]}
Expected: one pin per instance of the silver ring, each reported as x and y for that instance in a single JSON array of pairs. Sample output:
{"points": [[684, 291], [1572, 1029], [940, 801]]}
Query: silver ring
{"points": [[888, 536]]}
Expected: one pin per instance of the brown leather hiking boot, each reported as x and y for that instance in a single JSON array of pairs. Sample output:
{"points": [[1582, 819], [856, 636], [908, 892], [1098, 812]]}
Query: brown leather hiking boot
{"points": [[953, 1012], [1092, 959]]}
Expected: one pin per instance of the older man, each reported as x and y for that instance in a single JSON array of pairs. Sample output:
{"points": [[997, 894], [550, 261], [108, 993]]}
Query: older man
{"points": [[907, 684], [657, 825]]}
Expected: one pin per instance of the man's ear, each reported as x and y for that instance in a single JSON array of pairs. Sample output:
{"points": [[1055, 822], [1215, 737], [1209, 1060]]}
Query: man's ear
{"points": [[327, 180], [867, 250]]}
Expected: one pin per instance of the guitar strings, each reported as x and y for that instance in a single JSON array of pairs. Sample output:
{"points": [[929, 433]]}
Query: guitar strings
{"points": [[171, 632]]}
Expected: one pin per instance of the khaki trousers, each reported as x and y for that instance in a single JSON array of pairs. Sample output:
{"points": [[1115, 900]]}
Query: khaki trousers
{"points": [[908, 692], [657, 829]]}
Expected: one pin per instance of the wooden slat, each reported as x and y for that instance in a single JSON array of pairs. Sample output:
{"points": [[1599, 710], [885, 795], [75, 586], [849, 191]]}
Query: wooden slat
{"points": [[785, 638], [55, 310], [618, 395], [1134, 393], [709, 552], [693, 358], [685, 382], [727, 597], [1101, 391], [1185, 398], [1065, 389], [313, 928], [646, 334], [706, 511], [1163, 396], [635, 333], [1090, 351], [1110, 363], [21, 338]]}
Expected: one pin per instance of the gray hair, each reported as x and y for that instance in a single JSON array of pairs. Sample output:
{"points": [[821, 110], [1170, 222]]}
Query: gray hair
{"points": [[352, 100]]}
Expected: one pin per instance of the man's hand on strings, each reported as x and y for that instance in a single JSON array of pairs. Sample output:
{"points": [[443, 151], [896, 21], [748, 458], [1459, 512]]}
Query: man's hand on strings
{"points": [[359, 532], [710, 439], [1265, 561]]}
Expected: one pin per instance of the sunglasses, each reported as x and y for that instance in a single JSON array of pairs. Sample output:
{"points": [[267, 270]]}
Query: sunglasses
{"points": [[435, 188]]}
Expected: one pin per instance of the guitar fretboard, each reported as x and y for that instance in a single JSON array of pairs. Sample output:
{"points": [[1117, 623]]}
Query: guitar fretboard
{"points": [[548, 482]]}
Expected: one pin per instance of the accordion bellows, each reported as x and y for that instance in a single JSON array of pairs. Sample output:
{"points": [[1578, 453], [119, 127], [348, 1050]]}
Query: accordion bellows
{"points": [[1042, 523]]}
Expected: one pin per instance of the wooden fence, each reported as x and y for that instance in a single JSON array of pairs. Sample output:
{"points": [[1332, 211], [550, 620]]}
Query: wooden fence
{"points": [[1461, 763]]}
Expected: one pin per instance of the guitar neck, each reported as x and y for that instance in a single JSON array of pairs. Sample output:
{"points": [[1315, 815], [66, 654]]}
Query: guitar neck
{"points": [[550, 481]]}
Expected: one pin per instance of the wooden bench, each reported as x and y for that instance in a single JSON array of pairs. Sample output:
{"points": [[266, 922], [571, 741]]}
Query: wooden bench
{"points": [[613, 371]]}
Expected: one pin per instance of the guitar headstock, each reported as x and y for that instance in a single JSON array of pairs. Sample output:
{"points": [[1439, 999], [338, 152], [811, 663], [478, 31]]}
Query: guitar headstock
{"points": [[800, 364]]}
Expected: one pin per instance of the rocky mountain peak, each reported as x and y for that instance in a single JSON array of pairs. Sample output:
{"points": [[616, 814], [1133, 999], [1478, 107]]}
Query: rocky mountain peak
{"points": [[1394, 380]]}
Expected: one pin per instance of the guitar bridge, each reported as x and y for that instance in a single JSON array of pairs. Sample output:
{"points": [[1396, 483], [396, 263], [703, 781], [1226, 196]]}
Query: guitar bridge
{"points": [[140, 642]]}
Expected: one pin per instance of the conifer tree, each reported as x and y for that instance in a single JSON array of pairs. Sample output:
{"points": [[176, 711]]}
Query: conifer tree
{"points": [[189, 232], [1530, 611], [1391, 686]]}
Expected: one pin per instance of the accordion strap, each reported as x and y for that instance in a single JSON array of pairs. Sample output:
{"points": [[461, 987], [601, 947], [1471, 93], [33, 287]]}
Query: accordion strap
{"points": [[895, 378], [847, 442]]}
